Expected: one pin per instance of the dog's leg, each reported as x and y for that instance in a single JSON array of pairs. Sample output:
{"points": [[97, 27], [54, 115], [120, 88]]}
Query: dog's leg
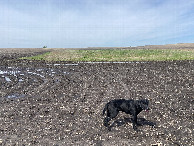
{"points": [[134, 120], [110, 115], [106, 120]]}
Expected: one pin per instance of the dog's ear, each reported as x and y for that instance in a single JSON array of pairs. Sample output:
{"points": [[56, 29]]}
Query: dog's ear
{"points": [[146, 101]]}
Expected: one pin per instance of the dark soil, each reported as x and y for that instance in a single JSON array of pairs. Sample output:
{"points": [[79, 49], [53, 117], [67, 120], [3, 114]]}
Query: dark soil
{"points": [[61, 103]]}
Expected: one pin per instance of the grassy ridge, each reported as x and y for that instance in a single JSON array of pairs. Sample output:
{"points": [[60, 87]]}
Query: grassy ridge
{"points": [[116, 55]]}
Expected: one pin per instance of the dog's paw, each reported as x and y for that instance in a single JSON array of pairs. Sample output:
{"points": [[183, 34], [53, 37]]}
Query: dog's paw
{"points": [[109, 128], [135, 128]]}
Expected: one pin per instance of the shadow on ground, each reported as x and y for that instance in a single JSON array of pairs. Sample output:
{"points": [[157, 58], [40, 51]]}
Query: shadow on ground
{"points": [[140, 122]]}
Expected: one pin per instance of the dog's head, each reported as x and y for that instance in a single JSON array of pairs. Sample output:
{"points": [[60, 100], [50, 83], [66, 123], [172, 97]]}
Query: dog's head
{"points": [[144, 104]]}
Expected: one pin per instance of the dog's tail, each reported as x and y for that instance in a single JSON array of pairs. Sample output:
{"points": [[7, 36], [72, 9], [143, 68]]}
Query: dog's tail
{"points": [[105, 108]]}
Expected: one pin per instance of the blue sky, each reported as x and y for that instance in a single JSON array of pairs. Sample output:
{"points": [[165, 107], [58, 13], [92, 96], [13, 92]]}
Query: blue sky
{"points": [[95, 23]]}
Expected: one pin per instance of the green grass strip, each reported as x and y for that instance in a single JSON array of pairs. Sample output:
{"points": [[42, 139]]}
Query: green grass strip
{"points": [[117, 55], [38, 57]]}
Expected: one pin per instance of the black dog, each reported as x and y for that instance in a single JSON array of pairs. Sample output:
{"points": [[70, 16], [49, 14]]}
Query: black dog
{"points": [[132, 107]]}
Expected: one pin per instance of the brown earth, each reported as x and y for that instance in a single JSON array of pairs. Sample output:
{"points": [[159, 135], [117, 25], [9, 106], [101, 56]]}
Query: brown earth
{"points": [[61, 103]]}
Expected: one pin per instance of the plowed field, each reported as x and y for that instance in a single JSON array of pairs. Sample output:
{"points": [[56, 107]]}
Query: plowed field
{"points": [[61, 103]]}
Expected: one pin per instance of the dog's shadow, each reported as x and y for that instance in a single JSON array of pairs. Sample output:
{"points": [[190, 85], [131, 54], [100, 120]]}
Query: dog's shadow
{"points": [[140, 122]]}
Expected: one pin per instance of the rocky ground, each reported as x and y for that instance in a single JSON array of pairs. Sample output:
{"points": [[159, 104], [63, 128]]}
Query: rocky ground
{"points": [[61, 103]]}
